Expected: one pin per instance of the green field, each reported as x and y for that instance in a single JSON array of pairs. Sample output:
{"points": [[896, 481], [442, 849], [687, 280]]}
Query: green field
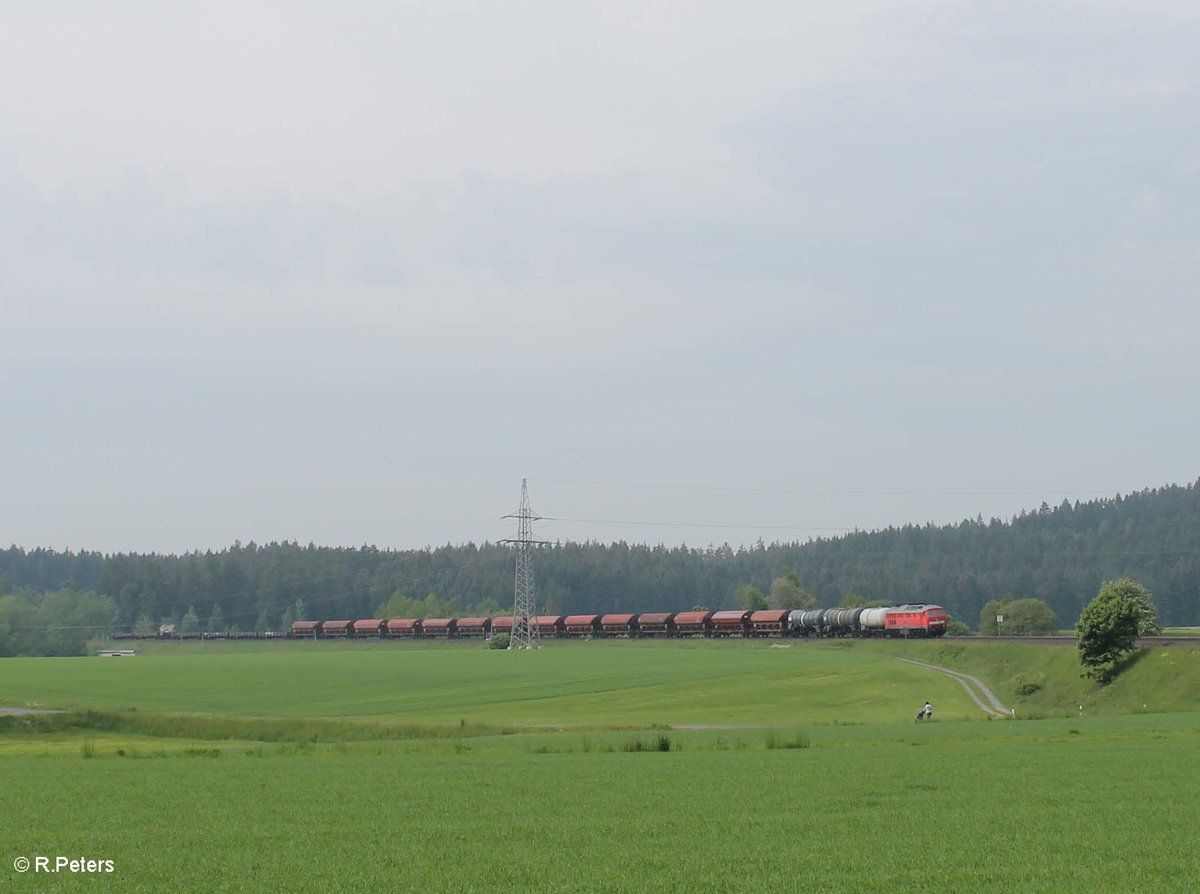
{"points": [[334, 767], [576, 684]]}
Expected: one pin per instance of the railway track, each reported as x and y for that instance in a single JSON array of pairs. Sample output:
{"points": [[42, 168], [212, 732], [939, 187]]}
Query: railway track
{"points": [[1145, 641]]}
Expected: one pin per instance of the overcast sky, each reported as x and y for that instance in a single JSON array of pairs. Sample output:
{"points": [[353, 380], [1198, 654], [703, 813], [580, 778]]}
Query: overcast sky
{"points": [[348, 272]]}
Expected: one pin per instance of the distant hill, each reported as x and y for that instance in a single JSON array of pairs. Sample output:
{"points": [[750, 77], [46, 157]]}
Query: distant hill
{"points": [[1060, 554]]}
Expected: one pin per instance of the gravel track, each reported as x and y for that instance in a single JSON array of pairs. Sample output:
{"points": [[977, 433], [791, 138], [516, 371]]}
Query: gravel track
{"points": [[15, 711], [976, 688]]}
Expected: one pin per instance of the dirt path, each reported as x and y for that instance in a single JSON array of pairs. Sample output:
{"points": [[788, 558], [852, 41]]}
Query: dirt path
{"points": [[726, 726], [976, 688], [14, 711]]}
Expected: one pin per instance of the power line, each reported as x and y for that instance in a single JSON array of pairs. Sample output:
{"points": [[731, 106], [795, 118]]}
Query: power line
{"points": [[665, 524], [828, 491]]}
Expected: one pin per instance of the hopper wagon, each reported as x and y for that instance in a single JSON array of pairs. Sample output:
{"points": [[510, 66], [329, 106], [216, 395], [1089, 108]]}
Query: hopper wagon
{"points": [[765, 623], [474, 628], [656, 624], [403, 628], [438, 628], [305, 630], [619, 625], [731, 623], [371, 629], [693, 623], [336, 629], [582, 625]]}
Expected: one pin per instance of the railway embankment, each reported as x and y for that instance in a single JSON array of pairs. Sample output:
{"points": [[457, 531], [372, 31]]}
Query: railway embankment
{"points": [[1036, 681]]}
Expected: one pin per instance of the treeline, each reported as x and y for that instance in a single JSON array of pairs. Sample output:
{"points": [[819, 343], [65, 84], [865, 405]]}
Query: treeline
{"points": [[1059, 555], [55, 623]]}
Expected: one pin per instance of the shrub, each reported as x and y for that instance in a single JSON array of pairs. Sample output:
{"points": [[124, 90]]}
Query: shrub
{"points": [[955, 627], [499, 641], [799, 740]]}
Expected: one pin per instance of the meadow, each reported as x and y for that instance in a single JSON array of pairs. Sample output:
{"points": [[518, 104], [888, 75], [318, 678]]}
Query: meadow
{"points": [[575, 683], [459, 769]]}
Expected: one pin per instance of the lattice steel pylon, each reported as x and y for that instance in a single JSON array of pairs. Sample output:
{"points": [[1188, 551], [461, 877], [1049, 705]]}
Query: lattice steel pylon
{"points": [[525, 633]]}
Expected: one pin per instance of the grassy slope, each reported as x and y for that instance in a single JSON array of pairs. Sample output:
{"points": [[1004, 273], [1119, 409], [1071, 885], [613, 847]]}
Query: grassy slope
{"points": [[1158, 679]]}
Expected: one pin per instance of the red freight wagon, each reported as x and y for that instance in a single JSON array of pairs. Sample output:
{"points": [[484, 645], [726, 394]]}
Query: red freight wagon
{"points": [[503, 624], [306, 629], [915, 620], [765, 622], [336, 628], [404, 628], [549, 625], [619, 625], [441, 627], [472, 627], [691, 623], [372, 628], [582, 625], [730, 622], [655, 623]]}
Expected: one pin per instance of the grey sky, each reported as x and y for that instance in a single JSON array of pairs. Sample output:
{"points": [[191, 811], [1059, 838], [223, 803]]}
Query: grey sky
{"points": [[279, 271]]}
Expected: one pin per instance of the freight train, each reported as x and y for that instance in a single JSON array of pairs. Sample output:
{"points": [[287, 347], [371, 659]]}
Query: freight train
{"points": [[917, 620]]}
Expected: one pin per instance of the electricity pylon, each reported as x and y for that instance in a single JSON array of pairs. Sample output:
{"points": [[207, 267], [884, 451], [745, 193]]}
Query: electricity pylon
{"points": [[525, 633]]}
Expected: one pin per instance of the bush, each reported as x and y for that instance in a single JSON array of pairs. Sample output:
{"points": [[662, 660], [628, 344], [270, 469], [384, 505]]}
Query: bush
{"points": [[799, 740], [499, 641], [1028, 685]]}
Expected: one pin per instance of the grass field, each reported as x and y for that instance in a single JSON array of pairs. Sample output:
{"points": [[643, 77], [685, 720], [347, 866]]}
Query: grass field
{"points": [[586, 683], [459, 769]]}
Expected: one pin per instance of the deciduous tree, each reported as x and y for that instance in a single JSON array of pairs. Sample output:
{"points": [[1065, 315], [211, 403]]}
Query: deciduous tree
{"points": [[750, 597], [787, 592], [1110, 624], [1022, 617]]}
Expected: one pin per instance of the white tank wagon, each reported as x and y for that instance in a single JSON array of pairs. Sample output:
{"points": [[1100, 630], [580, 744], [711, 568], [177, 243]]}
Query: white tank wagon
{"points": [[872, 621]]}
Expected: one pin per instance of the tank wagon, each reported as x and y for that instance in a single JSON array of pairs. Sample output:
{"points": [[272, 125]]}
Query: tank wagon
{"points": [[902, 621]]}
